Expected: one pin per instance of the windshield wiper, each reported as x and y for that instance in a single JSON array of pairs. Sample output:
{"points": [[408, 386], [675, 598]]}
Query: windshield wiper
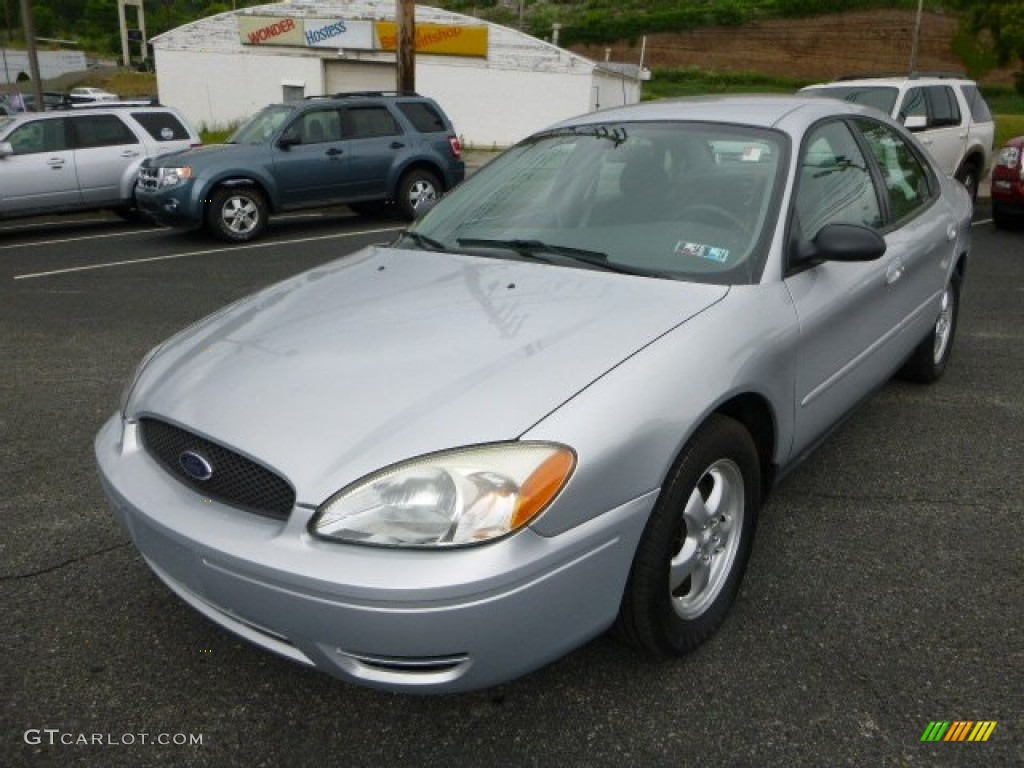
{"points": [[424, 242], [533, 248]]}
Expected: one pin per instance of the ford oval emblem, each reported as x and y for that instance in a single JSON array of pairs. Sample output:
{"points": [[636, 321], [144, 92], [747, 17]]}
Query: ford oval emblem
{"points": [[195, 465]]}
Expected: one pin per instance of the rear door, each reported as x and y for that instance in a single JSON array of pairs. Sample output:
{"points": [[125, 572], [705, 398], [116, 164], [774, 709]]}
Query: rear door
{"points": [[40, 175], [946, 134], [107, 154], [377, 142], [921, 234]]}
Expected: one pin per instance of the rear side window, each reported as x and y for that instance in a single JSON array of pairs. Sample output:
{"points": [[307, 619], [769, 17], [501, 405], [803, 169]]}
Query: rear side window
{"points": [[980, 112], [162, 126], [906, 179], [423, 116], [370, 122], [101, 131]]}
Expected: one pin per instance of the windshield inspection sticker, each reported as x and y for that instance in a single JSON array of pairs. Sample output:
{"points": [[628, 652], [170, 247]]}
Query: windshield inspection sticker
{"points": [[721, 255]]}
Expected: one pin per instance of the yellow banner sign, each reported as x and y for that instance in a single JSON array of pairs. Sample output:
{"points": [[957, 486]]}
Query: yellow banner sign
{"points": [[442, 39]]}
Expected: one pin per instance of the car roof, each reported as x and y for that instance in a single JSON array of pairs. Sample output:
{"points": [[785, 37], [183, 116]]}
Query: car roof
{"points": [[894, 82], [756, 110]]}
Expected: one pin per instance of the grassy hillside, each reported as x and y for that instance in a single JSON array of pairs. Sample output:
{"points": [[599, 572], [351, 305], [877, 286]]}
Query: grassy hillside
{"points": [[604, 21]]}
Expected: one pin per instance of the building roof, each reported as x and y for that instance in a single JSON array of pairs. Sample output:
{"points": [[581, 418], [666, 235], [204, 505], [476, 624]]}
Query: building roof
{"points": [[507, 48]]}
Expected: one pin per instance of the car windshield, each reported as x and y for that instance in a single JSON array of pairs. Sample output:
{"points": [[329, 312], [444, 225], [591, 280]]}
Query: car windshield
{"points": [[261, 126], [880, 97], [687, 201]]}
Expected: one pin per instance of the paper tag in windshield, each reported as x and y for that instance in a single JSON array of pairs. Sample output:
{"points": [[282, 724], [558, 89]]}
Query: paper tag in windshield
{"points": [[751, 154], [701, 251]]}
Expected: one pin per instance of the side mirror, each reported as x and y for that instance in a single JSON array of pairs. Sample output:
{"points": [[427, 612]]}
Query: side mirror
{"points": [[6, 149], [915, 122], [846, 242], [288, 141]]}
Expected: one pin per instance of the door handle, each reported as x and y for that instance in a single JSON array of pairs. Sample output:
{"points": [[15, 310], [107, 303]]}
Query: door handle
{"points": [[130, 153], [894, 272], [56, 163], [397, 145], [334, 152]]}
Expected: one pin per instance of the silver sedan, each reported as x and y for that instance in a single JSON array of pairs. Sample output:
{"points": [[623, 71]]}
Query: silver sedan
{"points": [[555, 405]]}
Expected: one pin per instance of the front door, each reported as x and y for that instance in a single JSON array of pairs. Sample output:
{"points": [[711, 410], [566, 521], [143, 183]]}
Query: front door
{"points": [[40, 175], [312, 160]]}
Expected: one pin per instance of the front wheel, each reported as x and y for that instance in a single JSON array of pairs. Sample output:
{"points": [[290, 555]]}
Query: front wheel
{"points": [[929, 360], [691, 558], [417, 188], [237, 214]]}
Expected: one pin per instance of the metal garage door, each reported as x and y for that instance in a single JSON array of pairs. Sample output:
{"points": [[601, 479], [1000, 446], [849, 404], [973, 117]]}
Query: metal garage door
{"points": [[360, 76]]}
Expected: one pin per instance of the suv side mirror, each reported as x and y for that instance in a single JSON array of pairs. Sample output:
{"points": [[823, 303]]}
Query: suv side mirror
{"points": [[288, 141], [6, 149], [915, 122]]}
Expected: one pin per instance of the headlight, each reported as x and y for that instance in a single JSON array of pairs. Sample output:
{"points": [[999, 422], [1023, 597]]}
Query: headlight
{"points": [[126, 393], [170, 177], [460, 497]]}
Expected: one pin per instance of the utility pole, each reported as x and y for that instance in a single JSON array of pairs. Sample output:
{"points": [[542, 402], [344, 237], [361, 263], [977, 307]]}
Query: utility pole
{"points": [[917, 37], [29, 28], [405, 15]]}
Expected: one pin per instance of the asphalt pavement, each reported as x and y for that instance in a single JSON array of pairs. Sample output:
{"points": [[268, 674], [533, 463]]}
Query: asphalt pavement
{"points": [[884, 592]]}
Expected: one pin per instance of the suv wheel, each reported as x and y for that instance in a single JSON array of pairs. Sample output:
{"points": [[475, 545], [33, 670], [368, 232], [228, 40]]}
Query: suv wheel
{"points": [[416, 188], [237, 214]]}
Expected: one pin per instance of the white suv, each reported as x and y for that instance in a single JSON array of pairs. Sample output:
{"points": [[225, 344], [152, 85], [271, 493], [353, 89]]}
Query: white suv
{"points": [[946, 112], [83, 158]]}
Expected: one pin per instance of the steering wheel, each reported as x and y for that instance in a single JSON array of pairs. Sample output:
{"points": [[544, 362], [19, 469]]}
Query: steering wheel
{"points": [[703, 210]]}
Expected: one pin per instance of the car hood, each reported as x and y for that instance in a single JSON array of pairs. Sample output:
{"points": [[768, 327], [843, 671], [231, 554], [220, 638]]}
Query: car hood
{"points": [[389, 354], [202, 155]]}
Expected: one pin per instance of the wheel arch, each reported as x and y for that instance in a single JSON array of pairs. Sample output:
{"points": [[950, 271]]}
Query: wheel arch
{"points": [[756, 415], [235, 180], [420, 163]]}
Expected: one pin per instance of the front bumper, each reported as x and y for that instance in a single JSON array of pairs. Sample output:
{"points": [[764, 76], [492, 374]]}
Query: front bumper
{"points": [[436, 621], [173, 207]]}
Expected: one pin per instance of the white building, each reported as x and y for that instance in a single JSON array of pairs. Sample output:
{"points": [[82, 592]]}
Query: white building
{"points": [[14, 61], [496, 84]]}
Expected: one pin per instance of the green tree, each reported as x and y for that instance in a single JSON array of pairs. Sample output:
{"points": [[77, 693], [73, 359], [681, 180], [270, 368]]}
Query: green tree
{"points": [[1004, 20]]}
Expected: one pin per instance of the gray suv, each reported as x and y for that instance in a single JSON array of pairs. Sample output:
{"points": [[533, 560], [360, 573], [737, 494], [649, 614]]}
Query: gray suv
{"points": [[82, 159], [377, 152]]}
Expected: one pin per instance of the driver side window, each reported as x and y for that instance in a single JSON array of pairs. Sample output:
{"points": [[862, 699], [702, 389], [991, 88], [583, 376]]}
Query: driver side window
{"points": [[835, 185]]}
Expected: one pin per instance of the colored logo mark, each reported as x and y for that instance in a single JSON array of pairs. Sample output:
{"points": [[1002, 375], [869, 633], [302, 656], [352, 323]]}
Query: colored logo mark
{"points": [[958, 730]]}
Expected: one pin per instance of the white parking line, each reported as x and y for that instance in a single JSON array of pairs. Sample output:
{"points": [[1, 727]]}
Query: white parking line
{"points": [[36, 244], [130, 262], [50, 224], [981, 221]]}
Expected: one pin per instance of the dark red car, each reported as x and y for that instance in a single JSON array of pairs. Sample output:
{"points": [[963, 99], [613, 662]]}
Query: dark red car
{"points": [[1008, 184]]}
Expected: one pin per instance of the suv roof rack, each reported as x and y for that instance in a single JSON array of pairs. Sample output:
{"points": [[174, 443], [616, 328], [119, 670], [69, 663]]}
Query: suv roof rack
{"points": [[362, 94], [908, 75], [122, 103]]}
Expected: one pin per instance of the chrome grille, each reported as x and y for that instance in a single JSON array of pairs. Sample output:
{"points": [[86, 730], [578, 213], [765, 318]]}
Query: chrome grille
{"points": [[147, 178], [234, 479]]}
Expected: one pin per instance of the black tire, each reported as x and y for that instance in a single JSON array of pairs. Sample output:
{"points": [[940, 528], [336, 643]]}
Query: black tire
{"points": [[1000, 218], [719, 462], [415, 188], [967, 175], [237, 214], [929, 360]]}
